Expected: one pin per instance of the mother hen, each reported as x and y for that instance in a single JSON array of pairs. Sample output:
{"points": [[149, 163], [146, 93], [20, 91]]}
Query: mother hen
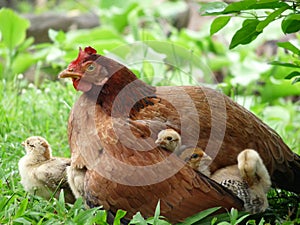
{"points": [[113, 126]]}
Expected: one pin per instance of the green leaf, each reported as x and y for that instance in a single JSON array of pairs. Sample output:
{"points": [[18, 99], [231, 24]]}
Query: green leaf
{"points": [[119, 215], [272, 4], [199, 216], [289, 46], [239, 6], [267, 1], [22, 221], [12, 28], [277, 63], [239, 220], [273, 91], [157, 213], [246, 34], [100, 217], [22, 208], [22, 62], [262, 221], [138, 219], [56, 36], [292, 74], [270, 18], [291, 23], [218, 24], [297, 79], [84, 216], [212, 8]]}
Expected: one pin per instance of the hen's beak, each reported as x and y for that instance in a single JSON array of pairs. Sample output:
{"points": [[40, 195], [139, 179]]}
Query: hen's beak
{"points": [[69, 73]]}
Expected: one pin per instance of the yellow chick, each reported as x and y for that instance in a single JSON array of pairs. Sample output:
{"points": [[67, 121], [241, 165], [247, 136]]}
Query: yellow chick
{"points": [[197, 159], [254, 172], [41, 173], [249, 180], [169, 139]]}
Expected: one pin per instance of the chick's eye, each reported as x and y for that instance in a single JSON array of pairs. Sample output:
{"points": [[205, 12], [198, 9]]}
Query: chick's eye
{"points": [[194, 156], [31, 145], [169, 138], [91, 68]]}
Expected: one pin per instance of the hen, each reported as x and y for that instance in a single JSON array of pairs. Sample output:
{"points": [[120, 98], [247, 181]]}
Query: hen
{"points": [[41, 173], [113, 126]]}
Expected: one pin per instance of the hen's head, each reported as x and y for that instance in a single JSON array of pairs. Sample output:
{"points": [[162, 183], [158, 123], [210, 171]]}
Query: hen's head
{"points": [[169, 139], [90, 68], [37, 146]]}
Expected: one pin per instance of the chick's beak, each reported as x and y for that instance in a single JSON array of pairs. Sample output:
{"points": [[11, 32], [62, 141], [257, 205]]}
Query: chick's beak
{"points": [[69, 73], [23, 143]]}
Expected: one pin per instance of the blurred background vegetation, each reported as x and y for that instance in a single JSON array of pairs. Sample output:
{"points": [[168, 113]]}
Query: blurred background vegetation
{"points": [[172, 42]]}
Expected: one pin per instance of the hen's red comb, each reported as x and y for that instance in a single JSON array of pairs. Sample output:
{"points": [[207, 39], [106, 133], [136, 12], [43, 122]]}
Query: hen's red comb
{"points": [[83, 54]]}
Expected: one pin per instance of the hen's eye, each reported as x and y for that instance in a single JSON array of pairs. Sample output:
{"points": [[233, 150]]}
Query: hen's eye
{"points": [[194, 156], [91, 68], [169, 138]]}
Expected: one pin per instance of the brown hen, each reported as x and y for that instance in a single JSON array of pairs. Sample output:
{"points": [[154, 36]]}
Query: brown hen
{"points": [[114, 124]]}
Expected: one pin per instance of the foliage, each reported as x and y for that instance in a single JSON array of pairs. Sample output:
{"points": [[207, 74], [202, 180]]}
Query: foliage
{"points": [[258, 15], [41, 106]]}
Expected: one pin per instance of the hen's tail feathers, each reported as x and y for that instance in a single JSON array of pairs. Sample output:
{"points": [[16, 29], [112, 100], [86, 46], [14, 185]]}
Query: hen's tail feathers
{"points": [[295, 165], [290, 182]]}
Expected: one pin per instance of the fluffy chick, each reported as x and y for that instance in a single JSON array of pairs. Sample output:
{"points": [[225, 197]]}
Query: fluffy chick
{"points": [[76, 180], [249, 180], [169, 139], [197, 159], [255, 174], [42, 174]]}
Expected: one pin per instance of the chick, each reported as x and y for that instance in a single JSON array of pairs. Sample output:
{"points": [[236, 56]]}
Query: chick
{"points": [[76, 180], [253, 170], [197, 159], [42, 174], [255, 174], [170, 140], [249, 180]]}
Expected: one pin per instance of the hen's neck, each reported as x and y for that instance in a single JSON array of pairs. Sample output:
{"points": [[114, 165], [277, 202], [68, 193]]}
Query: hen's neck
{"points": [[123, 94]]}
